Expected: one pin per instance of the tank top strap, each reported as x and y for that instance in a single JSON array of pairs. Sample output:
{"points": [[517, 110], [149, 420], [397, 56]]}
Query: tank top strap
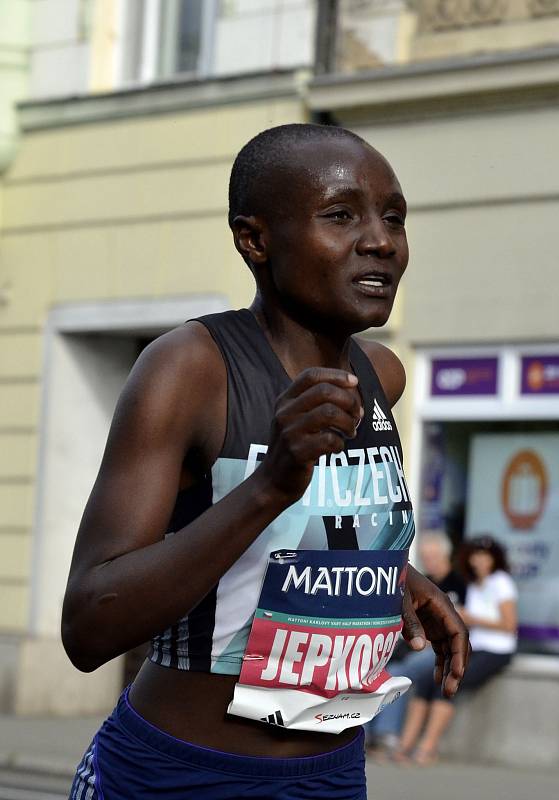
{"points": [[368, 379], [378, 421], [255, 378]]}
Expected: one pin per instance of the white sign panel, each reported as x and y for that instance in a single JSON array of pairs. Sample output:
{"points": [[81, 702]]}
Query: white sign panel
{"points": [[514, 496]]}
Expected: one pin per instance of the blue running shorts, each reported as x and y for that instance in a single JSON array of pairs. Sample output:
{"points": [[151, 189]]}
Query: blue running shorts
{"points": [[131, 759]]}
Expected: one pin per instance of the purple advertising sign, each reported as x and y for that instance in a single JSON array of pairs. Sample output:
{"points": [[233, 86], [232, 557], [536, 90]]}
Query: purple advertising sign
{"points": [[539, 375], [539, 633], [457, 377]]}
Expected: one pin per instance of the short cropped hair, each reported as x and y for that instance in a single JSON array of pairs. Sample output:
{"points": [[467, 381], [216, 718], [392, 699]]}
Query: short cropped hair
{"points": [[439, 538], [272, 149]]}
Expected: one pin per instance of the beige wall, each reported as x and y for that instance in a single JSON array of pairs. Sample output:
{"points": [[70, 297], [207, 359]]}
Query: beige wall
{"points": [[129, 208], [483, 199]]}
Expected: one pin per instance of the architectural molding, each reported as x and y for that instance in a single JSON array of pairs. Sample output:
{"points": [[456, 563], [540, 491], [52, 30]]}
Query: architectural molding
{"points": [[427, 87], [159, 98], [137, 316]]}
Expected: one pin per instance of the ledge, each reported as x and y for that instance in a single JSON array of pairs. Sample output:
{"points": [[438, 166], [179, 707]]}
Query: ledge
{"points": [[147, 315], [422, 88], [159, 98], [534, 666], [526, 74]]}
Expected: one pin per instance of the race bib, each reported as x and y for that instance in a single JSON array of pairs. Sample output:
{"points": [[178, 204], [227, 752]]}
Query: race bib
{"points": [[325, 628]]}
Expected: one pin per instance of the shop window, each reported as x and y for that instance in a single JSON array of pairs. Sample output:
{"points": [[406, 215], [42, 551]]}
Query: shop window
{"points": [[502, 478]]}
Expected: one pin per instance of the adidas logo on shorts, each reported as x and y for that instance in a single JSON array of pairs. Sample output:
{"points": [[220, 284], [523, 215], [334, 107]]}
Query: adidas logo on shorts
{"points": [[380, 423]]}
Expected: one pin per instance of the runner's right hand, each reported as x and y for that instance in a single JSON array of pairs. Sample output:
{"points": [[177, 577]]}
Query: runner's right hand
{"points": [[320, 410]]}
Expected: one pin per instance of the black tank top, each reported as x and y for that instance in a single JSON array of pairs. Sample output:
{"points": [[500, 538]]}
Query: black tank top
{"points": [[357, 499]]}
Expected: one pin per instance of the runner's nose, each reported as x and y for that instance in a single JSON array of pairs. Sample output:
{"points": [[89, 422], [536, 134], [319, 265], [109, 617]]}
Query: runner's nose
{"points": [[375, 240]]}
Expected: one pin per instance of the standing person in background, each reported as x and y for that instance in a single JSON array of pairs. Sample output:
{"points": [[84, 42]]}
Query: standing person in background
{"points": [[435, 552], [383, 732], [490, 612]]}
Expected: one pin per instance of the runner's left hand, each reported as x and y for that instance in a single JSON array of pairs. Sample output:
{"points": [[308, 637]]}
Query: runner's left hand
{"points": [[430, 616]]}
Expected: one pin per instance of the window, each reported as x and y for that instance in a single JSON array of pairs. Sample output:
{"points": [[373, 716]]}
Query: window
{"points": [[162, 38], [500, 478], [201, 38], [186, 39], [487, 459]]}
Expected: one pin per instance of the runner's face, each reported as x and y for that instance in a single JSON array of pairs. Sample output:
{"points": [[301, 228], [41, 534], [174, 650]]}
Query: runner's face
{"points": [[338, 252]]}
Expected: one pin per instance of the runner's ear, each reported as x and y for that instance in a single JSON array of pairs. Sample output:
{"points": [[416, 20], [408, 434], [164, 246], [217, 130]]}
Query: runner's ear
{"points": [[250, 239]]}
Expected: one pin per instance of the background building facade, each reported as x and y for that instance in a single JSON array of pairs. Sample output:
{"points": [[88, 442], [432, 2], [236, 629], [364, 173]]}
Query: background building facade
{"points": [[113, 229]]}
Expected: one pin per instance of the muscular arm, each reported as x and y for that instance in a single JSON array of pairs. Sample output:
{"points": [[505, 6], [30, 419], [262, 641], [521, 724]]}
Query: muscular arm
{"points": [[126, 581]]}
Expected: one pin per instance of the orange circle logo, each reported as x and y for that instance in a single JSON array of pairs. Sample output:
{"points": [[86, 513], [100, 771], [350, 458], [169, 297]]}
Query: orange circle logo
{"points": [[524, 489], [535, 376]]}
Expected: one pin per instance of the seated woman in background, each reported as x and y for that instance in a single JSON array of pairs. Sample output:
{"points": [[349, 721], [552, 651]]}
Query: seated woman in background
{"points": [[384, 731], [490, 614]]}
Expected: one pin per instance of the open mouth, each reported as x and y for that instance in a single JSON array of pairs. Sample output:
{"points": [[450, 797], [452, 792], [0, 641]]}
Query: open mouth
{"points": [[374, 282], [374, 279]]}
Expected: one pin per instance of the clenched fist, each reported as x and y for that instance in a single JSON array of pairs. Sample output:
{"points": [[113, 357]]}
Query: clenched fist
{"points": [[320, 410]]}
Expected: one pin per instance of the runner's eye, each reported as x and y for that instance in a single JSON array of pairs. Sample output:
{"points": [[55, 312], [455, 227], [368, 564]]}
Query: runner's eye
{"points": [[340, 214], [395, 219]]}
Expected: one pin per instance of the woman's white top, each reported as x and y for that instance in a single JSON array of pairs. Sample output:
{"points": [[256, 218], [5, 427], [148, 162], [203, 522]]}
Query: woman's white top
{"points": [[483, 601]]}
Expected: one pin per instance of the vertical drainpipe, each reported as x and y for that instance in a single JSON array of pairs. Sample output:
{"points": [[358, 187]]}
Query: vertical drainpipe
{"points": [[325, 50], [14, 72]]}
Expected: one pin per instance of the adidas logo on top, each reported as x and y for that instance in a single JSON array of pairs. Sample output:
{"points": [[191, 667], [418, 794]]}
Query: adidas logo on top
{"points": [[380, 423]]}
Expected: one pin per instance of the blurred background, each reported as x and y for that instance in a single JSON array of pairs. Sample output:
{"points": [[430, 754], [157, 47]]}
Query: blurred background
{"points": [[119, 122]]}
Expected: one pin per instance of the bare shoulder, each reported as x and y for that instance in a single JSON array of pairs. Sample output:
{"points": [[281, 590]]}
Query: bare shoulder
{"points": [[187, 353], [182, 350], [388, 367], [177, 379]]}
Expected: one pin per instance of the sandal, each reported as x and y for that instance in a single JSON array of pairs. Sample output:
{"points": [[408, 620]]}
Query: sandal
{"points": [[381, 748], [380, 755], [401, 756], [425, 758]]}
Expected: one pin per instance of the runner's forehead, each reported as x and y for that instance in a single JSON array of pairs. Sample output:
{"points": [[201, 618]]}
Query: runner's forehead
{"points": [[344, 166]]}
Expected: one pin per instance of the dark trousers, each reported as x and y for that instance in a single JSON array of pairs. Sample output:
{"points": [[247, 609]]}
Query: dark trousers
{"points": [[482, 666]]}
